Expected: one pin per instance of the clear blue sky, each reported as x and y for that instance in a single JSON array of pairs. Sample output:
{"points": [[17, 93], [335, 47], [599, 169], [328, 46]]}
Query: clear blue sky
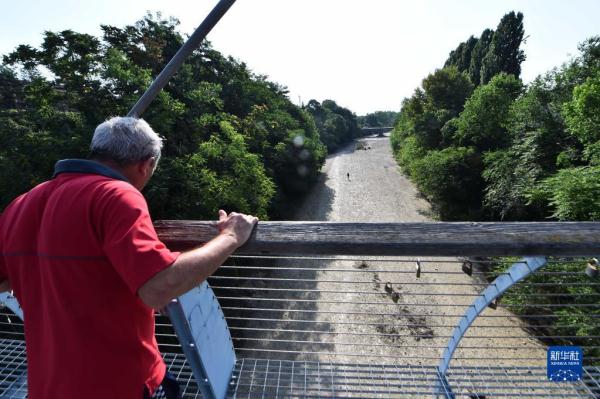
{"points": [[366, 55]]}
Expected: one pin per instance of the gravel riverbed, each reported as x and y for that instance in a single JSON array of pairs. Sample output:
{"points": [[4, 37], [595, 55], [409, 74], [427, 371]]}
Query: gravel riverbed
{"points": [[418, 313]]}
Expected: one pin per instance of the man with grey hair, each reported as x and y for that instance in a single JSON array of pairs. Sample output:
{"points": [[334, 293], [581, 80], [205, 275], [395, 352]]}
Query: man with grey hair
{"points": [[125, 140], [85, 263]]}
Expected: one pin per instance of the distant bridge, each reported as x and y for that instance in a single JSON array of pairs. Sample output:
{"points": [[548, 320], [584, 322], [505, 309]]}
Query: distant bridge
{"points": [[376, 130]]}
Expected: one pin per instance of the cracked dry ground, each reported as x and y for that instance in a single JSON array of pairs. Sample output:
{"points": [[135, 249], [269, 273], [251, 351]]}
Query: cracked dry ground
{"points": [[418, 313]]}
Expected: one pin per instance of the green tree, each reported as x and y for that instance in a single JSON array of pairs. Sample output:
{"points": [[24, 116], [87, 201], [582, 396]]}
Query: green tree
{"points": [[461, 57], [377, 119], [451, 180], [412, 108], [371, 120], [221, 174], [504, 53], [213, 107], [482, 124], [583, 119], [336, 125], [572, 193], [509, 180], [447, 88], [428, 110], [477, 54], [408, 152], [11, 89]]}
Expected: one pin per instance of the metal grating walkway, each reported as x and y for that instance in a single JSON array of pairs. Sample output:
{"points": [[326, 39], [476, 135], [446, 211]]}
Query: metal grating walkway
{"points": [[303, 379], [280, 378]]}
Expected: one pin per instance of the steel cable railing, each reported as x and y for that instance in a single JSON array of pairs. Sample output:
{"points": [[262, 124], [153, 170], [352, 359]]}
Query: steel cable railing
{"points": [[314, 317], [353, 326]]}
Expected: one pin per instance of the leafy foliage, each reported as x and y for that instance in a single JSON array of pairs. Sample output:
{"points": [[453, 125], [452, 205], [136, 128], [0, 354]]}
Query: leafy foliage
{"points": [[504, 53], [583, 119], [533, 148], [447, 89], [461, 57], [220, 174], [408, 152], [233, 138], [493, 52], [573, 193], [483, 122], [377, 119], [514, 153], [564, 283], [451, 179], [336, 125], [509, 180], [477, 54], [424, 115]]}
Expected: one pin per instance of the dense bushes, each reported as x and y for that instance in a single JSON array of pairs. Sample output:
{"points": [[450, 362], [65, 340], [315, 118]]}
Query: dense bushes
{"points": [[233, 138], [573, 193], [336, 125], [562, 284], [377, 119], [450, 179], [514, 153], [220, 174], [582, 117], [533, 151], [482, 124]]}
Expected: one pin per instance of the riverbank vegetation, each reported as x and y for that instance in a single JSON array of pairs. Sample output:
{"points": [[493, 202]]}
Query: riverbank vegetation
{"points": [[378, 119], [233, 139], [336, 125], [482, 145]]}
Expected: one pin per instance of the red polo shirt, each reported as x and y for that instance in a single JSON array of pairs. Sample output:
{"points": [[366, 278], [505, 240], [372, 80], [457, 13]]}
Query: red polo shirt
{"points": [[76, 249]]}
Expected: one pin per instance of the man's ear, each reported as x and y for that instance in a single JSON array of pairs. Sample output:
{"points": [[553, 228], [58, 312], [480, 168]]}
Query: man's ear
{"points": [[147, 166]]}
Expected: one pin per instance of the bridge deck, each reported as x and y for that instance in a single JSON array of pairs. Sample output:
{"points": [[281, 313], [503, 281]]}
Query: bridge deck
{"points": [[283, 378]]}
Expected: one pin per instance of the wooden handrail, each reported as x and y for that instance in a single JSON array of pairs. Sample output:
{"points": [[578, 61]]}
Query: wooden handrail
{"points": [[399, 239]]}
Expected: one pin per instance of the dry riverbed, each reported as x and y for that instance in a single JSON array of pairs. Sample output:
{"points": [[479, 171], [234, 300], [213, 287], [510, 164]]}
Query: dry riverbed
{"points": [[349, 314], [418, 313]]}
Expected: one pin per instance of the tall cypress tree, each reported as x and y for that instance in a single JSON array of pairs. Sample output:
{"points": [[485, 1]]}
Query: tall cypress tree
{"points": [[479, 51], [504, 54], [461, 56]]}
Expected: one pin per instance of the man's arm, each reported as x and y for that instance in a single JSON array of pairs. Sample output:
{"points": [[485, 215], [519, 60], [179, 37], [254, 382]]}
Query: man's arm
{"points": [[193, 267]]}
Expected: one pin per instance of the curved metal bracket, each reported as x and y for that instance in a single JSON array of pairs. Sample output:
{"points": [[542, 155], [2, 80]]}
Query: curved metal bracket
{"points": [[517, 272], [17, 388], [8, 300], [205, 339]]}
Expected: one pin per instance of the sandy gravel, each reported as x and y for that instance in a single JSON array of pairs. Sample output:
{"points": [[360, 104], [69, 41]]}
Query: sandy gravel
{"points": [[369, 327], [359, 311], [378, 192]]}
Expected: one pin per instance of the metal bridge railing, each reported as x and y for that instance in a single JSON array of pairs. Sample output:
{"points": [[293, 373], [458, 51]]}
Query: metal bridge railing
{"points": [[367, 327], [325, 324]]}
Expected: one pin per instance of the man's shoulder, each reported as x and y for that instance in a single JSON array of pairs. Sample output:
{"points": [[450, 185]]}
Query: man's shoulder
{"points": [[35, 193], [117, 192], [115, 186], [93, 184]]}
